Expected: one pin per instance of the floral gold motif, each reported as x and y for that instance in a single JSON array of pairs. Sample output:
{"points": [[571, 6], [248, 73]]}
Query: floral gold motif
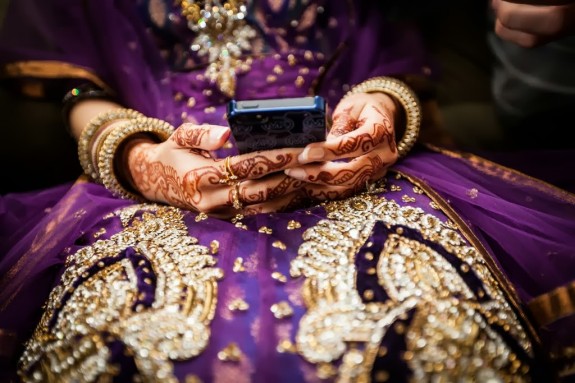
{"points": [[222, 36], [453, 325], [150, 272]]}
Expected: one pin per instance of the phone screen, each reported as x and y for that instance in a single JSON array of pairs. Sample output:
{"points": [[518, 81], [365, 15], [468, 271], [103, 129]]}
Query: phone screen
{"points": [[277, 123]]}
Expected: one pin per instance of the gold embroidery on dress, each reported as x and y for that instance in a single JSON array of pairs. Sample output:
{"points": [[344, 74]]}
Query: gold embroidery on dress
{"points": [[50, 69], [107, 295], [452, 326], [222, 36]]}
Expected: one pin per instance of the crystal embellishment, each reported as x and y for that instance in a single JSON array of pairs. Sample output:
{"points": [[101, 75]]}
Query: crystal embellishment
{"points": [[222, 36]]}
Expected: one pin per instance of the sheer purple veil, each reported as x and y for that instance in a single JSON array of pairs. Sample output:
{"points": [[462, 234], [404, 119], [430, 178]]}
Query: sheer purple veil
{"points": [[514, 214], [101, 40], [528, 224]]}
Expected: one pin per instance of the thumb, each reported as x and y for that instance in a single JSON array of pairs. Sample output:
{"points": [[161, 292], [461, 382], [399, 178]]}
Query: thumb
{"points": [[205, 137]]}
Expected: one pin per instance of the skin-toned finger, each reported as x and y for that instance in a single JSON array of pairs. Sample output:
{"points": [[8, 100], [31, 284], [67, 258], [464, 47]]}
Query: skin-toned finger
{"points": [[350, 113], [179, 178], [526, 40], [319, 192], [205, 190], [355, 172], [354, 133], [345, 116], [544, 20], [256, 165], [205, 137], [296, 198], [257, 191], [371, 134], [162, 182], [191, 180], [344, 121], [269, 188]]}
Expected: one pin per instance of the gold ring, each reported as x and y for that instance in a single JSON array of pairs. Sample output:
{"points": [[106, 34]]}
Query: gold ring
{"points": [[236, 203], [228, 178]]}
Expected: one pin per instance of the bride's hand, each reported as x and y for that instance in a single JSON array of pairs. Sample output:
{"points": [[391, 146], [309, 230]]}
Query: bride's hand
{"points": [[182, 172], [359, 148]]}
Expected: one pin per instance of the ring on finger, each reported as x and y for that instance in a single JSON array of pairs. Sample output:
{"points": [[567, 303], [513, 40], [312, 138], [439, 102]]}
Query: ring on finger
{"points": [[236, 202], [228, 177]]}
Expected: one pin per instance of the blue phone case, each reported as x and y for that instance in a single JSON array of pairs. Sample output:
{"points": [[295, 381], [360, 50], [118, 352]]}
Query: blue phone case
{"points": [[277, 123]]}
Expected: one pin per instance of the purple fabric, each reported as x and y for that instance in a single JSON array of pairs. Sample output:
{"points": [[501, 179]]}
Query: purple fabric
{"points": [[515, 214], [37, 237], [541, 164], [110, 40], [527, 224], [106, 38], [528, 227], [30, 276]]}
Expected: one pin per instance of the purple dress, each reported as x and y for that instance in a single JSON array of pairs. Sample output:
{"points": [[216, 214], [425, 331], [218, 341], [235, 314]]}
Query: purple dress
{"points": [[450, 268]]}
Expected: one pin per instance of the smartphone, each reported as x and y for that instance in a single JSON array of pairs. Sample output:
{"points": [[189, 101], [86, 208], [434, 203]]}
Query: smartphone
{"points": [[277, 123]]}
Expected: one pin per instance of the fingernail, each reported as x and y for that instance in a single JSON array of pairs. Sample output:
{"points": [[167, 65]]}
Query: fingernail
{"points": [[218, 133], [297, 173], [311, 154]]}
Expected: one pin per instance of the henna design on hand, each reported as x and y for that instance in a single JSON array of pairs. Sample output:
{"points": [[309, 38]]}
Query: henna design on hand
{"points": [[382, 131], [260, 165], [364, 142], [271, 193], [189, 137], [159, 180], [344, 123], [389, 129], [367, 175], [342, 177], [351, 176]]}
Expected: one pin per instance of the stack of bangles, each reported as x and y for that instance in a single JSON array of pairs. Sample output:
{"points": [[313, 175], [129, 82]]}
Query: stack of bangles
{"points": [[101, 138]]}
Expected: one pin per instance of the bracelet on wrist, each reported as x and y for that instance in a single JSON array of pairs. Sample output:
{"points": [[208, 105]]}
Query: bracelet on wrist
{"points": [[408, 100], [108, 152], [91, 133], [79, 93]]}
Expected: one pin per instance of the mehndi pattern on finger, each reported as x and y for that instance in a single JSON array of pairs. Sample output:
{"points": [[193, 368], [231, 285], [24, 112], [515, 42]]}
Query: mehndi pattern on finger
{"points": [[407, 98], [190, 137]]}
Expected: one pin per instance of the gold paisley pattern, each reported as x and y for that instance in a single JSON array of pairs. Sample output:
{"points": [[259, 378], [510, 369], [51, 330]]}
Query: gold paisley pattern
{"points": [[109, 293], [452, 334], [440, 296]]}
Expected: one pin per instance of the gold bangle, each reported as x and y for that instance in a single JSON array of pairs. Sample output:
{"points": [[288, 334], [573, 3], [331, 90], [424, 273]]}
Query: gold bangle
{"points": [[406, 97], [117, 135], [90, 131], [97, 143]]}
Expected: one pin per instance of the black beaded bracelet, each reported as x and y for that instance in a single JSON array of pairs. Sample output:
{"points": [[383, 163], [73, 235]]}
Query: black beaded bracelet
{"points": [[79, 93]]}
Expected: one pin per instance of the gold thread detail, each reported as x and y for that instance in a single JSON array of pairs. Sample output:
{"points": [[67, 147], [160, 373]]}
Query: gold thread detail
{"points": [[91, 307]]}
